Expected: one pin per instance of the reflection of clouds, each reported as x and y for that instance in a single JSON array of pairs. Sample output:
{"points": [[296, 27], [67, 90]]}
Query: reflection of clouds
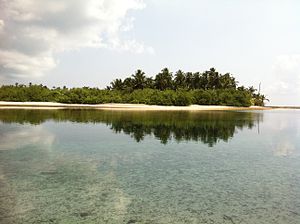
{"points": [[25, 135], [284, 148], [283, 127], [278, 121], [284, 145]]}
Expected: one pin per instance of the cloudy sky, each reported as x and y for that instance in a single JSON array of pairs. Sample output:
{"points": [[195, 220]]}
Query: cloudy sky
{"points": [[91, 42]]}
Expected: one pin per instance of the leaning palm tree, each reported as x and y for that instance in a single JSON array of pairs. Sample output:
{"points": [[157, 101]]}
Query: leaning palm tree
{"points": [[263, 98], [259, 99], [252, 90]]}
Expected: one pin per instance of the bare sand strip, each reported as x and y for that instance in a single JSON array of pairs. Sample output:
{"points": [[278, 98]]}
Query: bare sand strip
{"points": [[116, 106]]}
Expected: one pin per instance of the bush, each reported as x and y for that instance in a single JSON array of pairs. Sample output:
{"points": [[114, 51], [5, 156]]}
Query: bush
{"points": [[85, 95], [182, 98]]}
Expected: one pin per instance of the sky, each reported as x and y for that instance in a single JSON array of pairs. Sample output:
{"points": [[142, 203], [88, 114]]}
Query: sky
{"points": [[91, 42]]}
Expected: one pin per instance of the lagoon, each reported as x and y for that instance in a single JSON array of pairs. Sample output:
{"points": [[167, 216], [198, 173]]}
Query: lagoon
{"points": [[94, 166]]}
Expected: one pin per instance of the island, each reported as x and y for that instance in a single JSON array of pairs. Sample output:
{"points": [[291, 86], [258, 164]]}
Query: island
{"points": [[209, 90]]}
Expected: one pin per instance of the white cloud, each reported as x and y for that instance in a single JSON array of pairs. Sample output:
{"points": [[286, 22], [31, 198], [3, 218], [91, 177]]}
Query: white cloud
{"points": [[19, 64], [286, 73], [32, 32], [288, 62]]}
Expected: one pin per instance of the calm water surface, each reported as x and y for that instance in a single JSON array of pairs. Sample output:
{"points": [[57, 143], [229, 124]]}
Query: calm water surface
{"points": [[81, 166]]}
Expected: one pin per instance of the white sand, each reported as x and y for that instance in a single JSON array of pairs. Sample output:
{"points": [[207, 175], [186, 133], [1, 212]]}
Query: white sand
{"points": [[113, 106]]}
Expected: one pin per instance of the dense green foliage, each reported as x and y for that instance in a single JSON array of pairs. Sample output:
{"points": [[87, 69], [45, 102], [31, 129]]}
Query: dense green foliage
{"points": [[208, 88]]}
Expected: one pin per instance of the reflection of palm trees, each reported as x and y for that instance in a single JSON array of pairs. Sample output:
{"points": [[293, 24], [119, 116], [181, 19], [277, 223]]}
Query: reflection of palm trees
{"points": [[207, 127]]}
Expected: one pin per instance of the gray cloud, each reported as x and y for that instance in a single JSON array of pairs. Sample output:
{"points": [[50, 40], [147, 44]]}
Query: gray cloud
{"points": [[33, 32]]}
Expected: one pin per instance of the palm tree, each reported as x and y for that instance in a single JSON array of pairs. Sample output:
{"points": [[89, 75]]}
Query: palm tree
{"points": [[149, 83], [117, 84], [139, 80], [252, 90], [203, 81], [179, 81], [213, 79], [263, 98], [196, 81], [128, 84], [227, 81], [163, 80], [189, 80]]}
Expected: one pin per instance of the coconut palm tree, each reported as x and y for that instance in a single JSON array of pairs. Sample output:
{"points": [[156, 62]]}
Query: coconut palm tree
{"points": [[139, 80], [227, 81], [163, 80], [189, 80], [117, 84], [179, 80]]}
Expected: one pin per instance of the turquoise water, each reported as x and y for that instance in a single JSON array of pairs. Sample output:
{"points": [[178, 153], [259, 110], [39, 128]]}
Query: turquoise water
{"points": [[82, 166]]}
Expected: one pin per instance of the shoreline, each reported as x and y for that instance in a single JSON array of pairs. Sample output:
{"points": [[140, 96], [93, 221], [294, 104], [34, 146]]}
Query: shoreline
{"points": [[119, 106]]}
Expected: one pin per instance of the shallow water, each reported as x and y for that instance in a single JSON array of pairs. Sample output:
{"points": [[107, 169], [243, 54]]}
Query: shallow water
{"points": [[82, 166]]}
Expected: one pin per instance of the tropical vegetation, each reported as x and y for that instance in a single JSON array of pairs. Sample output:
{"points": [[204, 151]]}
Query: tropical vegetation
{"points": [[180, 89]]}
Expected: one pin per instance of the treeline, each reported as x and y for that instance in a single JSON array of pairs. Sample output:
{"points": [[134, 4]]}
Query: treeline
{"points": [[164, 80], [180, 89]]}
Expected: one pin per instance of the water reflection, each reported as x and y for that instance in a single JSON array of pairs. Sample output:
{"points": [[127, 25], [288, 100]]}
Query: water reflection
{"points": [[92, 175], [207, 127], [22, 136], [285, 131], [284, 148]]}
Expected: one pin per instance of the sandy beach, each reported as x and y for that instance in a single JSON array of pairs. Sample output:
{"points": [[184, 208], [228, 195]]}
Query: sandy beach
{"points": [[113, 106]]}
